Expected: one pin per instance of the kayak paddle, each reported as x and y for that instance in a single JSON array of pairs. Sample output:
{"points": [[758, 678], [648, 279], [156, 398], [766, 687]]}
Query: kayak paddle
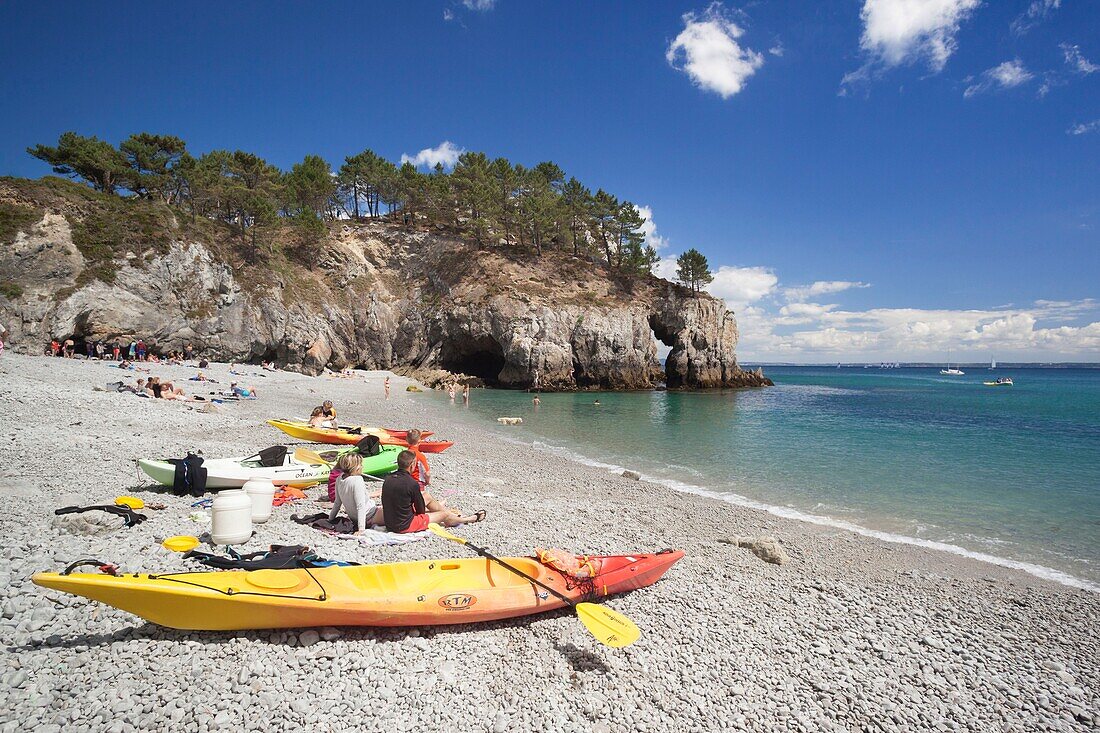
{"points": [[610, 627], [305, 455]]}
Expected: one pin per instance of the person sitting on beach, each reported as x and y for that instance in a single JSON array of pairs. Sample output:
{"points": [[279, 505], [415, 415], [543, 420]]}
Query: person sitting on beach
{"points": [[138, 388], [239, 391], [327, 416], [317, 419], [403, 503], [352, 495]]}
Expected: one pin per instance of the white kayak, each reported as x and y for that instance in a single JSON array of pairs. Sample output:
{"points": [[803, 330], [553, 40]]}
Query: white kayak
{"points": [[228, 473]]}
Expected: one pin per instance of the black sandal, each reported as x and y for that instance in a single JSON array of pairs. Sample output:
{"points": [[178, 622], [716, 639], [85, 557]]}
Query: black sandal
{"points": [[479, 516]]}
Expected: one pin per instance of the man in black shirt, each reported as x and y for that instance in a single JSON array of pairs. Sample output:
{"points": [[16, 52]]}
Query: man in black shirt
{"points": [[403, 502]]}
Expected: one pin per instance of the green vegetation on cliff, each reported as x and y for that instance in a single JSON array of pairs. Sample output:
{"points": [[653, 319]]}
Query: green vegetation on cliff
{"points": [[487, 200]]}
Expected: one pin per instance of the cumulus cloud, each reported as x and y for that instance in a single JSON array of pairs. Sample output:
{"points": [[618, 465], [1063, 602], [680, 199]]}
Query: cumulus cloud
{"points": [[1083, 128], [1003, 76], [811, 331], [821, 287], [649, 229], [479, 5], [1076, 60], [446, 153], [1036, 13], [708, 51], [898, 32], [740, 286]]}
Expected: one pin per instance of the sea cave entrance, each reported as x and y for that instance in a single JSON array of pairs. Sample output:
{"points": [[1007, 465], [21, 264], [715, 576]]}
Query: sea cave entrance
{"points": [[665, 344], [478, 357]]}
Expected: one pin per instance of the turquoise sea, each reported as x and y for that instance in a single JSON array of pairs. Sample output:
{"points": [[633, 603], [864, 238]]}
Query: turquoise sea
{"points": [[1008, 473]]}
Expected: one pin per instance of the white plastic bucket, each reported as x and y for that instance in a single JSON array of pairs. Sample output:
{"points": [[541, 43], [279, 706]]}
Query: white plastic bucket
{"points": [[231, 517], [261, 492]]}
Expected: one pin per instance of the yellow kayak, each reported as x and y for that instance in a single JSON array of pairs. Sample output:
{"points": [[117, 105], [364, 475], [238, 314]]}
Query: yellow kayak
{"points": [[333, 436], [426, 592]]}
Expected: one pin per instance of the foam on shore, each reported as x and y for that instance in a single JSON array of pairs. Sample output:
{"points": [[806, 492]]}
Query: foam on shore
{"points": [[1039, 571]]}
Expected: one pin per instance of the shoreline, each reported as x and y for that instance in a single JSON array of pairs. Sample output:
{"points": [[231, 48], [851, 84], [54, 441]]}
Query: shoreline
{"points": [[837, 638], [1042, 572]]}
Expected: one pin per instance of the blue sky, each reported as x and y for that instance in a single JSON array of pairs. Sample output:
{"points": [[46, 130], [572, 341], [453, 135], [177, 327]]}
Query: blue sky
{"points": [[877, 179]]}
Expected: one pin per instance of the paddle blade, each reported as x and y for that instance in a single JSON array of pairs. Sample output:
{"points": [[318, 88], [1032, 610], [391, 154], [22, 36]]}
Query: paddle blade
{"points": [[438, 530], [610, 627], [305, 455]]}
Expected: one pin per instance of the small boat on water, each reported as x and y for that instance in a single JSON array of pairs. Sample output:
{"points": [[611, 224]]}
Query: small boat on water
{"points": [[999, 382], [951, 371]]}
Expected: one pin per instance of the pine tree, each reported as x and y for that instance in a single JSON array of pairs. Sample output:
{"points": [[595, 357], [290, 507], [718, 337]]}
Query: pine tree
{"points": [[693, 270], [94, 160]]}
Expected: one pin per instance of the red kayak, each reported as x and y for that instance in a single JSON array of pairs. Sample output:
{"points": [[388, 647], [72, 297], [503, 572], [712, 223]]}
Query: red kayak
{"points": [[425, 446], [404, 434]]}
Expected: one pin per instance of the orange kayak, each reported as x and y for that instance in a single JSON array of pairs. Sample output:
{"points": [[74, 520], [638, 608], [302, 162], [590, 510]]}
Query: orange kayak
{"points": [[423, 593], [352, 434]]}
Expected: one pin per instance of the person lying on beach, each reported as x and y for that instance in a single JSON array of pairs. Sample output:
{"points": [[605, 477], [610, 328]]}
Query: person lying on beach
{"points": [[403, 503], [242, 391], [200, 377], [352, 495]]}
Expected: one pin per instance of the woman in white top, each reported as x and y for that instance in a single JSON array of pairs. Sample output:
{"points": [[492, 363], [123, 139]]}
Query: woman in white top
{"points": [[352, 495]]}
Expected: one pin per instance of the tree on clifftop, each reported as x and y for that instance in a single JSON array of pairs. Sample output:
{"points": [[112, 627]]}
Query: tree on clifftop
{"points": [[692, 270], [90, 158]]}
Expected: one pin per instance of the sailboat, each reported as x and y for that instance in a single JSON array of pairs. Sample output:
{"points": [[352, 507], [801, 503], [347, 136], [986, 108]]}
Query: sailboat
{"points": [[992, 364], [951, 371]]}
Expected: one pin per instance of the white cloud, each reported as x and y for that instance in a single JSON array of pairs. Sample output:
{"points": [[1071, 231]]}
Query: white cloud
{"points": [[740, 286], [1082, 128], [1004, 76], [897, 32], [448, 14], [1036, 12], [479, 5], [707, 50], [446, 153], [821, 287], [777, 49], [1043, 331], [649, 229], [666, 268], [1077, 61]]}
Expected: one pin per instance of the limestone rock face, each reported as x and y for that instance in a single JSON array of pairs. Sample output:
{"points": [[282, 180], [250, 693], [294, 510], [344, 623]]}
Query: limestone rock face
{"points": [[378, 297]]}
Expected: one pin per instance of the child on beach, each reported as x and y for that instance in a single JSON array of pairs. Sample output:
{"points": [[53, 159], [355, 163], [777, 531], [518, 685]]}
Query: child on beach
{"points": [[352, 496], [328, 415], [403, 504], [317, 418], [421, 471]]}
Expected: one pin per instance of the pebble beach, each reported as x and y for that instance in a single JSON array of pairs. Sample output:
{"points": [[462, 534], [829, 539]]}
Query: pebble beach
{"points": [[852, 633]]}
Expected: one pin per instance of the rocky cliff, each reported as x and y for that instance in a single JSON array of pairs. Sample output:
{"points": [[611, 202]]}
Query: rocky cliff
{"points": [[78, 264]]}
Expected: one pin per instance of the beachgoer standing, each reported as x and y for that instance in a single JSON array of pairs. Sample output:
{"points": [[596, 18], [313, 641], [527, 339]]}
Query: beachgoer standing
{"points": [[386, 384], [69, 349], [141, 349], [188, 352], [89, 349], [451, 391], [133, 350], [55, 347], [116, 350], [3, 335], [466, 393], [99, 350], [403, 503]]}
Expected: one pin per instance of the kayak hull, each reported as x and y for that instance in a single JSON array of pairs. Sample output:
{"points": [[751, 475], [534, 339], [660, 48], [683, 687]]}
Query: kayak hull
{"points": [[342, 436], [229, 473], [422, 593]]}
